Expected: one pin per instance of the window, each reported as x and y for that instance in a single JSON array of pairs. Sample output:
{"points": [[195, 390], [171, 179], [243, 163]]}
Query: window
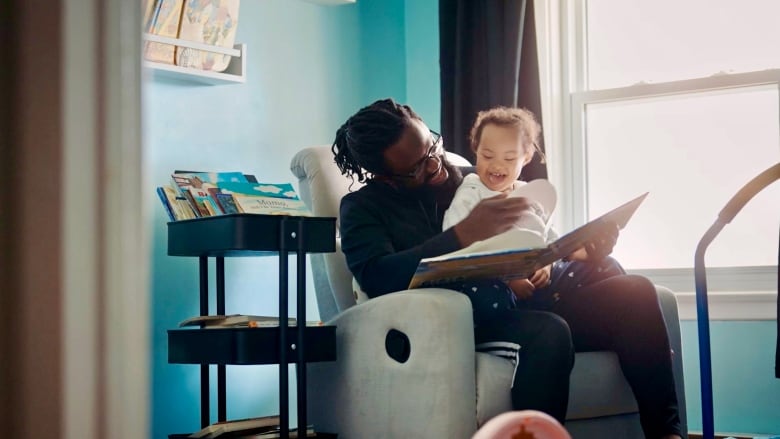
{"points": [[668, 40], [692, 151], [679, 99]]}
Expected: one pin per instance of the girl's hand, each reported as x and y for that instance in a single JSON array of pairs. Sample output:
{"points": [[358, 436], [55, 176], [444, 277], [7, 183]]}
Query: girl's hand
{"points": [[490, 217], [541, 277], [524, 288]]}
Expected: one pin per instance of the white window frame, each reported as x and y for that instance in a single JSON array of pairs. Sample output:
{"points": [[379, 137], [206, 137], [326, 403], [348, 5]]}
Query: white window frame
{"points": [[735, 293]]}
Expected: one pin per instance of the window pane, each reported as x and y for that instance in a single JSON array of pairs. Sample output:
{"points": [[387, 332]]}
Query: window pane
{"points": [[693, 153], [661, 40]]}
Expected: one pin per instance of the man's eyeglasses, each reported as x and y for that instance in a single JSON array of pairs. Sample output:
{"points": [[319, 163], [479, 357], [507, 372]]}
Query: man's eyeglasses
{"points": [[426, 164]]}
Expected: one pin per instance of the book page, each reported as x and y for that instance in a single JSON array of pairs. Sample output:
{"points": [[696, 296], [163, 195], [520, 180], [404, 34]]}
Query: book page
{"points": [[575, 239]]}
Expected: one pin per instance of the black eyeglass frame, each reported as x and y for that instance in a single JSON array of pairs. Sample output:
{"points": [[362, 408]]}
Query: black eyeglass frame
{"points": [[434, 152]]}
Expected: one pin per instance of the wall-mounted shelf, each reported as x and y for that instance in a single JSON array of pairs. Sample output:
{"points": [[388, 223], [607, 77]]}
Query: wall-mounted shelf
{"points": [[234, 74]]}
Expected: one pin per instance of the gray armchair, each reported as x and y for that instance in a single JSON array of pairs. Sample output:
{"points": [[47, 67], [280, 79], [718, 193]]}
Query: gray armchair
{"points": [[444, 389]]}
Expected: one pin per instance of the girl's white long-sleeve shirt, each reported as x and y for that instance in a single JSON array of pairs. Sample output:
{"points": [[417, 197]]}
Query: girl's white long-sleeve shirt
{"points": [[472, 191]]}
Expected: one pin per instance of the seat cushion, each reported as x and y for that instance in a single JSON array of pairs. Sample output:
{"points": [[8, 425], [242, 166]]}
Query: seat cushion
{"points": [[494, 377], [597, 387]]}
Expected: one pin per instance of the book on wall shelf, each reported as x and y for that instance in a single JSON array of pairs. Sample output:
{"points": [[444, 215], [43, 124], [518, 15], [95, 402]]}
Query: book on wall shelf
{"points": [[207, 25], [193, 194], [515, 253], [163, 18]]}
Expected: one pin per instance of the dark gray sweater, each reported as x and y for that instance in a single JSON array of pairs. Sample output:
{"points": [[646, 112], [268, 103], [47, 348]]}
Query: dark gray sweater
{"points": [[386, 231]]}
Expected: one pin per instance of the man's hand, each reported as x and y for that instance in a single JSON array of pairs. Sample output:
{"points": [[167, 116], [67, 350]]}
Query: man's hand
{"points": [[524, 288], [490, 217], [599, 247]]}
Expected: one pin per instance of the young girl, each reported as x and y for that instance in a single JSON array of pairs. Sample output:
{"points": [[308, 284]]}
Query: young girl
{"points": [[504, 140]]}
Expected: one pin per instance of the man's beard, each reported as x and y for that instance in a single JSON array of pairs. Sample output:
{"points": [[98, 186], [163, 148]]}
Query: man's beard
{"points": [[442, 193], [455, 176]]}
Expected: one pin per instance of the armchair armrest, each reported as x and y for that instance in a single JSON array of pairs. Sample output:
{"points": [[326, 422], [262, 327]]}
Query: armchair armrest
{"points": [[367, 393]]}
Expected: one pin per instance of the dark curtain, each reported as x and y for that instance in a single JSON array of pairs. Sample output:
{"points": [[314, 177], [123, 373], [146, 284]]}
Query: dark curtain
{"points": [[488, 58]]}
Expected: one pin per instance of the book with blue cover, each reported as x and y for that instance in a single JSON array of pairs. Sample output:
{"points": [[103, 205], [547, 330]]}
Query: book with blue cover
{"points": [[265, 198], [166, 205], [177, 206]]}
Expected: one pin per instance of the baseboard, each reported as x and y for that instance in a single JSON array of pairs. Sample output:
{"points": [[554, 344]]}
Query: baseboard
{"points": [[753, 305], [698, 435]]}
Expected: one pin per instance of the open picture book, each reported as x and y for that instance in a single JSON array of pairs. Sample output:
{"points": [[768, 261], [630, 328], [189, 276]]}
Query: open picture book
{"points": [[516, 253]]}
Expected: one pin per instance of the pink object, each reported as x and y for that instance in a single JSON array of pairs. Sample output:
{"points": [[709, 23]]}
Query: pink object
{"points": [[522, 424]]}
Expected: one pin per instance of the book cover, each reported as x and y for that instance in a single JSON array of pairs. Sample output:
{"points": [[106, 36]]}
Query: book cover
{"points": [[194, 189], [210, 22], [182, 185], [182, 182], [166, 24], [214, 177], [225, 201], [265, 198], [203, 202], [181, 207], [150, 10], [201, 190], [515, 253], [166, 204], [222, 175]]}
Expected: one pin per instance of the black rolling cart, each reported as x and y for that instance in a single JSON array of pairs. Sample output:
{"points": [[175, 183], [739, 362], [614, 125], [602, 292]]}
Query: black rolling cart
{"points": [[253, 235]]}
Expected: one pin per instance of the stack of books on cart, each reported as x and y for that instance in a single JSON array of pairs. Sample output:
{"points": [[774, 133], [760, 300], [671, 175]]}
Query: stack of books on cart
{"points": [[266, 427], [204, 194]]}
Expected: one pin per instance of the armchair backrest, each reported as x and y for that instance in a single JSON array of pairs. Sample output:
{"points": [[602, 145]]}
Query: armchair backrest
{"points": [[321, 186]]}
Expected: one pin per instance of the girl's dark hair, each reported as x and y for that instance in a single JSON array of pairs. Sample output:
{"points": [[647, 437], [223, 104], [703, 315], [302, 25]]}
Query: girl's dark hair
{"points": [[363, 138], [520, 118]]}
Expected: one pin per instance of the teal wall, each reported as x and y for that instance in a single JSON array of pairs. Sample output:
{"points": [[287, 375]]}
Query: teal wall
{"points": [[746, 395], [382, 52], [310, 67], [422, 60]]}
